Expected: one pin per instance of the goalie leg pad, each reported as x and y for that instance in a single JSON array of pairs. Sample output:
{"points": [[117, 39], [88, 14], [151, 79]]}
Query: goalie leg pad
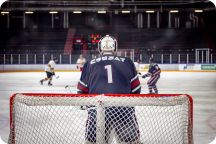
{"points": [[120, 119], [124, 122], [90, 134]]}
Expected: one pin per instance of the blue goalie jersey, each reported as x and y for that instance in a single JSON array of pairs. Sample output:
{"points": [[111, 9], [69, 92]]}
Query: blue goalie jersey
{"points": [[109, 74]]}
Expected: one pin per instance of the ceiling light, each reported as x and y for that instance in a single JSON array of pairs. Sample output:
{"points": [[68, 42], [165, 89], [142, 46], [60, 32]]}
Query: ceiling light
{"points": [[53, 12], [4, 12], [101, 12], [198, 11], [174, 11], [77, 12], [125, 11], [29, 12], [150, 11]]}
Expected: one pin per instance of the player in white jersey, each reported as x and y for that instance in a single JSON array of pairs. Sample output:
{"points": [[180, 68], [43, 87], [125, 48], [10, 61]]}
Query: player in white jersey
{"points": [[50, 71], [80, 62]]}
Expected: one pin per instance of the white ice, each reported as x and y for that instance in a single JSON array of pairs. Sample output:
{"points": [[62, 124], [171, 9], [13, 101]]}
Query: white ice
{"points": [[200, 85]]}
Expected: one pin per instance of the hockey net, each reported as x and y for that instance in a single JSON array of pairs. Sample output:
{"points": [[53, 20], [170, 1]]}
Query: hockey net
{"points": [[110, 118]]}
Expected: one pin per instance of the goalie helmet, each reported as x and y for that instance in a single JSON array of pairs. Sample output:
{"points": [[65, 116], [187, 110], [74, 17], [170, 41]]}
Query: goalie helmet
{"points": [[107, 44]]}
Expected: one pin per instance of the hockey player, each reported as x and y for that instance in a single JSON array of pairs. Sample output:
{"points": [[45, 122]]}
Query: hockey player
{"points": [[154, 74], [80, 62], [50, 71], [114, 75]]}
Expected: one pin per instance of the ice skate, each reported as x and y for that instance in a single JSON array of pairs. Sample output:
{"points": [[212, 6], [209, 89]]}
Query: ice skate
{"points": [[41, 82]]}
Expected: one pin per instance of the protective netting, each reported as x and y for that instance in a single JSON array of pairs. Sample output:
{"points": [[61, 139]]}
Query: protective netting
{"points": [[77, 119]]}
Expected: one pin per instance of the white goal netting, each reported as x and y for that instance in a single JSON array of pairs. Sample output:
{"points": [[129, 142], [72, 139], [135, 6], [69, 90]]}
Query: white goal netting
{"points": [[101, 119]]}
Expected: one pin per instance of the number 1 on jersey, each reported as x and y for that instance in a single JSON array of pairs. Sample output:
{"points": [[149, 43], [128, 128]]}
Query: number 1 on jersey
{"points": [[109, 73]]}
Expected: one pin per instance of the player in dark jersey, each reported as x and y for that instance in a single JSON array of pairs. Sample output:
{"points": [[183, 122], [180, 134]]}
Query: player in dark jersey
{"points": [[154, 74], [114, 75]]}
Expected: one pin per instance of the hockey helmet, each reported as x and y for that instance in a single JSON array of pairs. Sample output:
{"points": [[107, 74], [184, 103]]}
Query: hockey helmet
{"points": [[107, 44], [55, 59], [151, 60]]}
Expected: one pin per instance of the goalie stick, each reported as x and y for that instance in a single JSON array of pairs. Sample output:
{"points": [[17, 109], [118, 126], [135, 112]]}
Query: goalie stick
{"points": [[68, 89], [145, 80], [67, 86]]}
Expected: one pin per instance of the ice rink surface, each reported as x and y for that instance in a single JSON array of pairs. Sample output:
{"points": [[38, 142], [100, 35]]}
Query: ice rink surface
{"points": [[200, 85]]}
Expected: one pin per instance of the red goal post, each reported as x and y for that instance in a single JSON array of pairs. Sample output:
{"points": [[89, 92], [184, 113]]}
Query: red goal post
{"points": [[48, 117]]}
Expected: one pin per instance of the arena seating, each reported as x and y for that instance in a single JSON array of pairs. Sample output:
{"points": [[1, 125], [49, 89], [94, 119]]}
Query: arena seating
{"points": [[144, 41]]}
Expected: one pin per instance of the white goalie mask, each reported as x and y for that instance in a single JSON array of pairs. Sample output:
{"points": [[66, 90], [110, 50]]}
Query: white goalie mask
{"points": [[107, 44]]}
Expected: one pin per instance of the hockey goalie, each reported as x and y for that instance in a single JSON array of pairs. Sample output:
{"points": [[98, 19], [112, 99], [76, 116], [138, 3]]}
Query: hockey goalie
{"points": [[114, 75]]}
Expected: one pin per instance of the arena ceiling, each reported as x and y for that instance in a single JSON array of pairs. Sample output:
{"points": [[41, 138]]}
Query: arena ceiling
{"points": [[109, 5]]}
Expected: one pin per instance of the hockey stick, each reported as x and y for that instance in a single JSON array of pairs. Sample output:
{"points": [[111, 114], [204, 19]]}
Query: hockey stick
{"points": [[68, 89], [53, 74], [67, 86], [141, 78], [70, 86], [145, 80], [139, 75], [56, 76]]}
